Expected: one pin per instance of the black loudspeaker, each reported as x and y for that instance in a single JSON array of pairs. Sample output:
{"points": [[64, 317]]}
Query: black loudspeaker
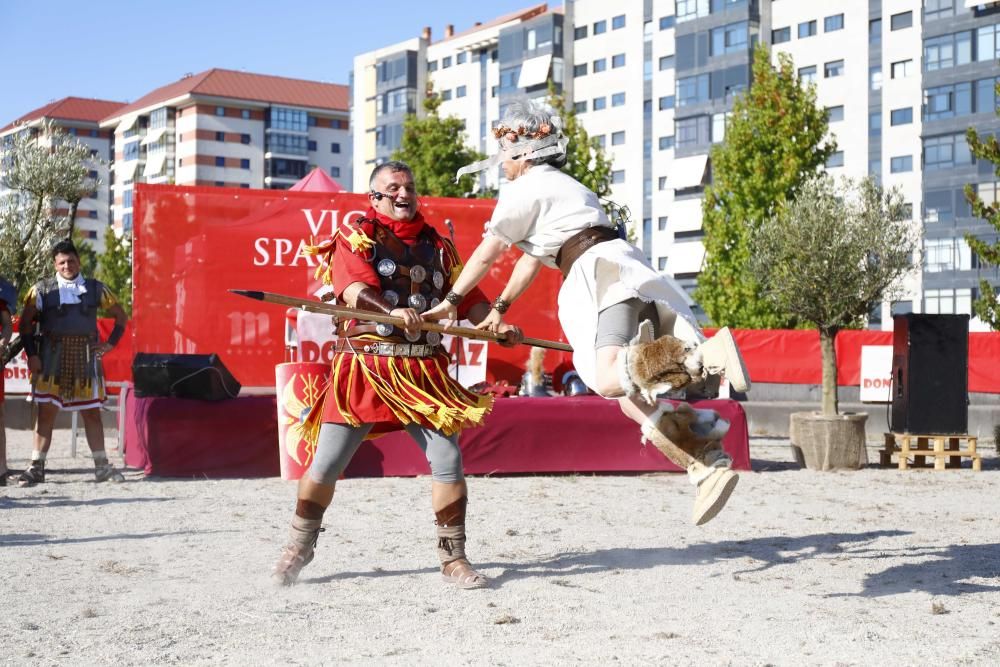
{"points": [[200, 376], [930, 374]]}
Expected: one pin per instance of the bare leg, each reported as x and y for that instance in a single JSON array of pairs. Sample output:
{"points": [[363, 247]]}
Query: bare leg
{"points": [[47, 413], [445, 493]]}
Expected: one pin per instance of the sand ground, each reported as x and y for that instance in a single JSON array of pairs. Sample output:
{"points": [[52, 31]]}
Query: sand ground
{"points": [[876, 566]]}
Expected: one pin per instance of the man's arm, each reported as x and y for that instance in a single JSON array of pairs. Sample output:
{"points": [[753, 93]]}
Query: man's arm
{"points": [[26, 328], [121, 319], [364, 296]]}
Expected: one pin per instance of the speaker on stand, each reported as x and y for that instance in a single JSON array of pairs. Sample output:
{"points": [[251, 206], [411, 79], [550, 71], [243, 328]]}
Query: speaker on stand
{"points": [[198, 376], [930, 374]]}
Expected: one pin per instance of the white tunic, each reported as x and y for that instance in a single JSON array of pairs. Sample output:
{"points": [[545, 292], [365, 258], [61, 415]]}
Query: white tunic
{"points": [[541, 210]]}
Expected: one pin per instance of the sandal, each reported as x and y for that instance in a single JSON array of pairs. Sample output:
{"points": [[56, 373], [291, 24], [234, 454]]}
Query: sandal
{"points": [[462, 574]]}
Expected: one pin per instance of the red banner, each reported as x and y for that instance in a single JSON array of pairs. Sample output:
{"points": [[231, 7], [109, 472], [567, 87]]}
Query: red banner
{"points": [[194, 244]]}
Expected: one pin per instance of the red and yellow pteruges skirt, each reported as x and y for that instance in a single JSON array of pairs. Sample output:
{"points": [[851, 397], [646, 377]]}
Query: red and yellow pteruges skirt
{"points": [[391, 392]]}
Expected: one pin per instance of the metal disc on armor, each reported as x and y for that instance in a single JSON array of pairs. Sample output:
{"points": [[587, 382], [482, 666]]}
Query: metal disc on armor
{"points": [[435, 302], [433, 338], [383, 329], [386, 267], [412, 337], [417, 302], [418, 274], [438, 279], [391, 297]]}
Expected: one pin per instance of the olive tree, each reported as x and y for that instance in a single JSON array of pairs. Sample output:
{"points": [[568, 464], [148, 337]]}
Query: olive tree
{"points": [[831, 255], [41, 168]]}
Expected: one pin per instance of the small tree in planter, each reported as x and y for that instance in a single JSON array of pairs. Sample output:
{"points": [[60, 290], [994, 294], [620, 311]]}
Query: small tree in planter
{"points": [[829, 257]]}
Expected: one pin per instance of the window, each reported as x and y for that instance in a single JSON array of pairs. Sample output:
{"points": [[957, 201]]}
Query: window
{"points": [[661, 222], [988, 42], [312, 145], [131, 151], [618, 61], [283, 118], [835, 160], [946, 152], [580, 32], [432, 65], [245, 114], [618, 138], [688, 10], [335, 172], [667, 22], [127, 222], [600, 27], [936, 9], [335, 147], [661, 184], [835, 114], [618, 176], [728, 38], [661, 263], [600, 65], [832, 23], [461, 58], [986, 100], [693, 131], [580, 107], [875, 77], [127, 198], [719, 127], [244, 163], [220, 136], [950, 101], [220, 111], [312, 121], [666, 102], [666, 62], [618, 99], [580, 70], [947, 254], [875, 124], [807, 74], [807, 29], [647, 108], [460, 91], [693, 90], [618, 22], [220, 161], [947, 51], [833, 69], [599, 141], [599, 103], [900, 164], [875, 31], [900, 21], [901, 69], [666, 142], [445, 95], [781, 35], [244, 138], [901, 116], [446, 62]]}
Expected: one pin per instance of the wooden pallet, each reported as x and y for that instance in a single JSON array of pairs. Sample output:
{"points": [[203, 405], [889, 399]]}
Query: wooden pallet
{"points": [[945, 450]]}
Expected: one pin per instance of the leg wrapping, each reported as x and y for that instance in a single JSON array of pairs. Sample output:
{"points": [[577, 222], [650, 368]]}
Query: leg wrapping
{"points": [[684, 435], [652, 367]]}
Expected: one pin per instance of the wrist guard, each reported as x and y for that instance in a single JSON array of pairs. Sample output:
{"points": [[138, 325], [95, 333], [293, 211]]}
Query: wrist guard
{"points": [[453, 298], [369, 299], [116, 335], [500, 305]]}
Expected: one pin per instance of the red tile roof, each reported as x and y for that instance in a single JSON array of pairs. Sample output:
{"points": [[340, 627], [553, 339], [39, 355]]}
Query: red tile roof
{"points": [[521, 14], [70, 109], [246, 86]]}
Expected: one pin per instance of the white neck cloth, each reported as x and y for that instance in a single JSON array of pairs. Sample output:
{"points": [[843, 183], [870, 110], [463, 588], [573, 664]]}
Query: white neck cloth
{"points": [[70, 290]]}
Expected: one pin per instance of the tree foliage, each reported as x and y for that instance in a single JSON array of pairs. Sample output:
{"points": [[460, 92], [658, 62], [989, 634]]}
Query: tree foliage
{"points": [[435, 149], [43, 168], [115, 267], [775, 141], [987, 306], [831, 255]]}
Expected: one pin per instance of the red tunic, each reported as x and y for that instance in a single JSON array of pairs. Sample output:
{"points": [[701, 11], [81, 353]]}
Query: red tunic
{"points": [[390, 392]]}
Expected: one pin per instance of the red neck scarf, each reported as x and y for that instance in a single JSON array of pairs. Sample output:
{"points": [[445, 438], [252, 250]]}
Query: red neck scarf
{"points": [[406, 230]]}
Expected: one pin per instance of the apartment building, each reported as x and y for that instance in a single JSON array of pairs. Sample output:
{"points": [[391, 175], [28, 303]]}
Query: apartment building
{"points": [[228, 129], [476, 72], [654, 81], [78, 117]]}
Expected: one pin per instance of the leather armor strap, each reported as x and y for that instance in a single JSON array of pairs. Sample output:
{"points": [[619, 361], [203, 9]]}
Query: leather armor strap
{"points": [[580, 243], [370, 299]]}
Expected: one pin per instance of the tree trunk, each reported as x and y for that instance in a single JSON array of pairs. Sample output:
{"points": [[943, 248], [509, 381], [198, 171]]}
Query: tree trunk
{"points": [[826, 346], [73, 206]]}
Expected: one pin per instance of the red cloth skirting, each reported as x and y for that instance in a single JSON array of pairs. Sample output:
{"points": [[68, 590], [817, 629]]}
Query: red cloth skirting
{"points": [[174, 437]]}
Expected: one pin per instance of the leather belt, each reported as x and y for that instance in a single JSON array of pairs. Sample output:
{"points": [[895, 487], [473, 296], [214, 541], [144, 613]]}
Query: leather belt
{"points": [[580, 243], [385, 349]]}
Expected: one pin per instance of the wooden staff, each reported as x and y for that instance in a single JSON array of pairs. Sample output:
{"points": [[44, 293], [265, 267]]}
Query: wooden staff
{"points": [[345, 311]]}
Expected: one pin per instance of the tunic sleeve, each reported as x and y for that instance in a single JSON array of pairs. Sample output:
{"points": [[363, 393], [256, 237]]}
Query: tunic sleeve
{"points": [[514, 216], [349, 267], [107, 298]]}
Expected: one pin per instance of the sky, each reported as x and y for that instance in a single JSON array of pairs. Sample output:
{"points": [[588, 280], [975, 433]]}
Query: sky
{"points": [[122, 49]]}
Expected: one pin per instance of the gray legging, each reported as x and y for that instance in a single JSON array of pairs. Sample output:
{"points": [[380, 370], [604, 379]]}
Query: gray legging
{"points": [[339, 442], [618, 324]]}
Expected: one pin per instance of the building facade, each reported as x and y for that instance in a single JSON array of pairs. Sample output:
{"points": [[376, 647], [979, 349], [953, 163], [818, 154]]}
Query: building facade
{"points": [[79, 118], [228, 129], [654, 81]]}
